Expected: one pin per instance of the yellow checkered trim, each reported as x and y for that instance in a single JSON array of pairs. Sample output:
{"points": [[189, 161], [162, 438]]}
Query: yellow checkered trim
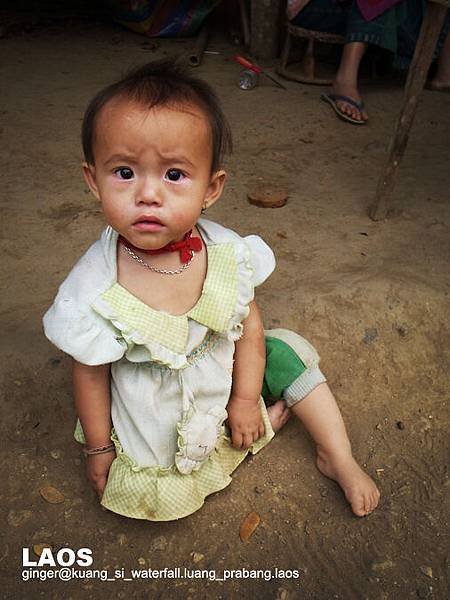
{"points": [[164, 494], [214, 308]]}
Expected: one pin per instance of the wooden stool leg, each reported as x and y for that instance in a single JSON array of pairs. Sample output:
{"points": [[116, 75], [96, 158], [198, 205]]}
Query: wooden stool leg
{"points": [[284, 58], [308, 64], [417, 74]]}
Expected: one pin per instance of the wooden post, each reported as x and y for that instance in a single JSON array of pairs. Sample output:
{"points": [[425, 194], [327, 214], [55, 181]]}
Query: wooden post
{"points": [[265, 26], [426, 44]]}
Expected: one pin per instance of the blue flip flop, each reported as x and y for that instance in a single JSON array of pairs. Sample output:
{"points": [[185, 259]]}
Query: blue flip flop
{"points": [[332, 100]]}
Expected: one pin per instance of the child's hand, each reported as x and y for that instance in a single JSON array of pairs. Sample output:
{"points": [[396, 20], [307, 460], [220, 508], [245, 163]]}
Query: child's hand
{"points": [[244, 419], [97, 469]]}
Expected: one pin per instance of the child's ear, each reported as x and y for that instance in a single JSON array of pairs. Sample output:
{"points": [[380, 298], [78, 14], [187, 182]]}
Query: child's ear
{"points": [[89, 177], [215, 188]]}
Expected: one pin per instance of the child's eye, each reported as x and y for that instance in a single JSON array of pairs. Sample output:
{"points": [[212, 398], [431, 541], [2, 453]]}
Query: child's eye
{"points": [[124, 173], [174, 175]]}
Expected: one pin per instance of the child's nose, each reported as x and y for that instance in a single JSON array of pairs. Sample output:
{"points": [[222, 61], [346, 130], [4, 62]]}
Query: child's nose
{"points": [[149, 192]]}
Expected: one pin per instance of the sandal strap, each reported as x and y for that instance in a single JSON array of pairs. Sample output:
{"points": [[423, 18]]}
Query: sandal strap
{"points": [[337, 98]]}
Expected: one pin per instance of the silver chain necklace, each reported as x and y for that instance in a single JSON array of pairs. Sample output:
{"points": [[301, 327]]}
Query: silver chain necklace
{"points": [[155, 269]]}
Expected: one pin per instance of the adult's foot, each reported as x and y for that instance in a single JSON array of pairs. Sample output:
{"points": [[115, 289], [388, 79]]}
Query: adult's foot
{"points": [[342, 88], [438, 85], [359, 489], [278, 415]]}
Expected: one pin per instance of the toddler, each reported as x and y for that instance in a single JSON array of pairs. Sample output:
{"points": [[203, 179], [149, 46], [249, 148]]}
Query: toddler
{"points": [[170, 359]]}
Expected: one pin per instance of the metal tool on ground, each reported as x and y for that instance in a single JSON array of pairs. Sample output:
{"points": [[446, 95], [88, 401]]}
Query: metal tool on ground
{"points": [[252, 67]]}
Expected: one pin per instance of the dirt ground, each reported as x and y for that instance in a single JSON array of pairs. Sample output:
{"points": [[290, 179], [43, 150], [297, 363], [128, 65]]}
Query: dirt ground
{"points": [[372, 297]]}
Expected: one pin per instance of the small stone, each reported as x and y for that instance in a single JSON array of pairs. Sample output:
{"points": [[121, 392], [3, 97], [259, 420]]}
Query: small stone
{"points": [[55, 454], [159, 543], [197, 556], [282, 594], [402, 330], [370, 335], [324, 493], [259, 489], [378, 426], [16, 518], [382, 566], [51, 495], [267, 197], [400, 425], [428, 571], [122, 539], [249, 526], [38, 548], [141, 561]]}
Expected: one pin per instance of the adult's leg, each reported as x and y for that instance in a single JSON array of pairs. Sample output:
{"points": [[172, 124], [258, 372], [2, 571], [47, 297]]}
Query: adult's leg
{"points": [[441, 80], [346, 80]]}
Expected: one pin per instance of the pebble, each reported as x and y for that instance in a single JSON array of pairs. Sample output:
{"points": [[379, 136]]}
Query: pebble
{"points": [[428, 571], [38, 548], [259, 489], [51, 494], [402, 330], [159, 543], [141, 561], [370, 335], [197, 556], [122, 539], [249, 526], [55, 454], [400, 425], [382, 566]]}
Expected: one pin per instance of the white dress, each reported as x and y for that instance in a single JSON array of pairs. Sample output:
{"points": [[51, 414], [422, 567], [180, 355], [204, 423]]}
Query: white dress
{"points": [[170, 375]]}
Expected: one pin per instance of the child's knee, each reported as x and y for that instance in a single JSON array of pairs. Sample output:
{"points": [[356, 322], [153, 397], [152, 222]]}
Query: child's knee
{"points": [[292, 370]]}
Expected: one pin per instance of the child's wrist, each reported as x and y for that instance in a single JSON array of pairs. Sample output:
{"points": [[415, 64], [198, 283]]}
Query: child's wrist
{"points": [[94, 450], [244, 399]]}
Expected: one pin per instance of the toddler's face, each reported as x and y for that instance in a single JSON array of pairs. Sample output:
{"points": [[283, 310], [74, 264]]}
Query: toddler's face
{"points": [[152, 171]]}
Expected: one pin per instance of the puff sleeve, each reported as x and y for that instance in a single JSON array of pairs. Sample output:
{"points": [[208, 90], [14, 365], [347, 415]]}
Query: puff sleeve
{"points": [[261, 258], [72, 324]]}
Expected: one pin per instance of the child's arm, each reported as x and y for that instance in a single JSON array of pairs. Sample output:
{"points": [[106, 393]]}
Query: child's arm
{"points": [[244, 416], [91, 388]]}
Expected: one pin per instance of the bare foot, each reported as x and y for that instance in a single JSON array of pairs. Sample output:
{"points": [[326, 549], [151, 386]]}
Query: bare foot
{"points": [[437, 85], [341, 88], [359, 489], [278, 415]]}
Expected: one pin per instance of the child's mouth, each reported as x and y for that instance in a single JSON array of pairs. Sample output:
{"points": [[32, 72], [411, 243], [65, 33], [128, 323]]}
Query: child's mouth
{"points": [[148, 224]]}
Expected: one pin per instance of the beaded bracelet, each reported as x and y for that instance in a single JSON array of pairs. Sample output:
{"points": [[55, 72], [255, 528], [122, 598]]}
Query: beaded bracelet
{"points": [[98, 450]]}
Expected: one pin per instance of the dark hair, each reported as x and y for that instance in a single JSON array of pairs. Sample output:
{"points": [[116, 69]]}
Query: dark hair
{"points": [[159, 83]]}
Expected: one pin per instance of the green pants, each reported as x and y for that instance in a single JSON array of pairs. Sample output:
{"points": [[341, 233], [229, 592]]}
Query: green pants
{"points": [[292, 370]]}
